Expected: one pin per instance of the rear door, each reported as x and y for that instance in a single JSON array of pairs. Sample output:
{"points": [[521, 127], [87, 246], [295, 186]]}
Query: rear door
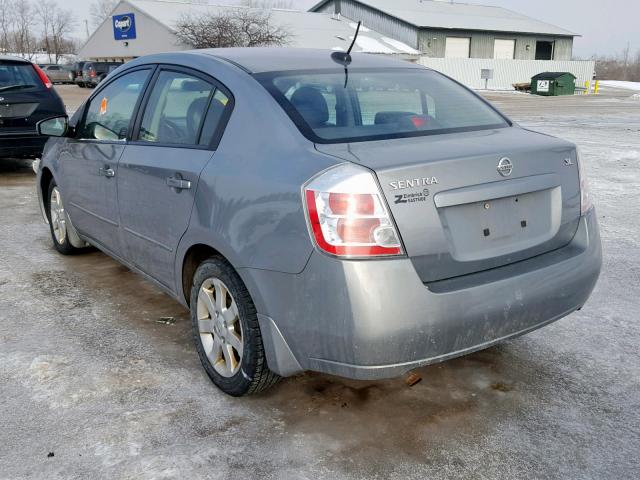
{"points": [[89, 162], [176, 135]]}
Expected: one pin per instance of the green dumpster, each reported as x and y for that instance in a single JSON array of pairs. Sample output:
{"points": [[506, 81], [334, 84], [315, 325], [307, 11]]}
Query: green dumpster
{"points": [[553, 84]]}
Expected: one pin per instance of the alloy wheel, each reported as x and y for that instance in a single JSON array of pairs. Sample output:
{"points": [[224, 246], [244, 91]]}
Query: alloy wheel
{"points": [[57, 216], [220, 327]]}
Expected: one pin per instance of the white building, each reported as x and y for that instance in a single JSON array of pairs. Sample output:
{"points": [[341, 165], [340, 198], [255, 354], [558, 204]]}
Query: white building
{"points": [[142, 27], [480, 46]]}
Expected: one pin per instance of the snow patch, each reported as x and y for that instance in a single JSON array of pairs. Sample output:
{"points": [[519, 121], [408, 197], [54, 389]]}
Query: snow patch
{"points": [[402, 47], [620, 84], [371, 45]]}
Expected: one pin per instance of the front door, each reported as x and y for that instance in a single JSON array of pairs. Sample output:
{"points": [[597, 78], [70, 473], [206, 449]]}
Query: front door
{"points": [[159, 171], [89, 162]]}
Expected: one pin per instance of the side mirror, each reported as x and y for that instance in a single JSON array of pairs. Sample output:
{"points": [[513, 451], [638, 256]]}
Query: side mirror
{"points": [[53, 127]]}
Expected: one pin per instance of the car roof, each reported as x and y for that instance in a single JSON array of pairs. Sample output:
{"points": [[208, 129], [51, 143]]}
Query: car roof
{"points": [[276, 59], [11, 58]]}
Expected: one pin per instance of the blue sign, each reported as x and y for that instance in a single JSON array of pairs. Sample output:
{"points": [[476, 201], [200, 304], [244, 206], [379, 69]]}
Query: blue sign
{"points": [[124, 26]]}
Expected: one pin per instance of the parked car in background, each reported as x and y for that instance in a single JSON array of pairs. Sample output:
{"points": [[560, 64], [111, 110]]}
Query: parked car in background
{"points": [[376, 216], [26, 97], [76, 73], [94, 72], [58, 73]]}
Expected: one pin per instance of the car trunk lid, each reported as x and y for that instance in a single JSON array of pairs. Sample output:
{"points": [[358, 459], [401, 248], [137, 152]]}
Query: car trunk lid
{"points": [[457, 214]]}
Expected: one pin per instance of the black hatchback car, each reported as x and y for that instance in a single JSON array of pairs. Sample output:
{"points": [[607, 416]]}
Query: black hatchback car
{"points": [[26, 97]]}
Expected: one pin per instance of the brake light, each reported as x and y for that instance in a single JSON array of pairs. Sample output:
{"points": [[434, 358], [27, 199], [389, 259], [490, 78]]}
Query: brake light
{"points": [[585, 191], [43, 76], [347, 214], [418, 122]]}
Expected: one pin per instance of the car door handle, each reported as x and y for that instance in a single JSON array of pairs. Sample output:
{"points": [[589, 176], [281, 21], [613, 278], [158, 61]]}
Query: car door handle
{"points": [[106, 172], [178, 183]]}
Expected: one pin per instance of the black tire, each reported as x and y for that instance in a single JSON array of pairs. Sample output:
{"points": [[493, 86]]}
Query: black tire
{"points": [[254, 375], [81, 85], [65, 247]]}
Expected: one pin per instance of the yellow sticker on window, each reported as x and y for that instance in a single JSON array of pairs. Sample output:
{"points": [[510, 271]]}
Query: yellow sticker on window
{"points": [[103, 106]]}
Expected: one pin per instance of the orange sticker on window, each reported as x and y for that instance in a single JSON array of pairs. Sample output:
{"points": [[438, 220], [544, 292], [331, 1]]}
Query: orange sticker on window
{"points": [[103, 106]]}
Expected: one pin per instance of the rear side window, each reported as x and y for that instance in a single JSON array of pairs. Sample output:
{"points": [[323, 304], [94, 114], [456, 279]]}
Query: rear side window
{"points": [[182, 110], [109, 113], [18, 76], [329, 107]]}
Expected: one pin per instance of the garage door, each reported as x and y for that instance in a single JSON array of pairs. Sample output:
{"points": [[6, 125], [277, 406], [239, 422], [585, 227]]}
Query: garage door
{"points": [[504, 49], [457, 47]]}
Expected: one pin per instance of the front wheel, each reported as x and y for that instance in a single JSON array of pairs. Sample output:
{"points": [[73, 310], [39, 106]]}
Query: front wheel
{"points": [[58, 221], [226, 330]]}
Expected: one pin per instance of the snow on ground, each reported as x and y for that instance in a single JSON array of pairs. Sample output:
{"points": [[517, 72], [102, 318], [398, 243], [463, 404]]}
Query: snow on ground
{"points": [[620, 84]]}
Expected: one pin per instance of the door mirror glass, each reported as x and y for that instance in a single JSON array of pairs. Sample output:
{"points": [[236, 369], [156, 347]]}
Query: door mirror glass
{"points": [[53, 127]]}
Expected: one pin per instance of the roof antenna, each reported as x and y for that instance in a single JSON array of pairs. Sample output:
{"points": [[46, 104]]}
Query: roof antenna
{"points": [[344, 58]]}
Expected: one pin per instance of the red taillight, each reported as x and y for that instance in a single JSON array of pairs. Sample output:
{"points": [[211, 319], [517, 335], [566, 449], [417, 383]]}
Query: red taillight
{"points": [[92, 73], [43, 76], [418, 122], [348, 216]]}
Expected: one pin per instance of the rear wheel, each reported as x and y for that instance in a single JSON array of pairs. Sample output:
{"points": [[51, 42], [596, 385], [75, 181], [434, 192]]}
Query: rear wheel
{"points": [[226, 330], [58, 221]]}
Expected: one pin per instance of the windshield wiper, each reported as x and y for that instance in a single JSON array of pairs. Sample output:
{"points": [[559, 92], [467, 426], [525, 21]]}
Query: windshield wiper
{"points": [[16, 87]]}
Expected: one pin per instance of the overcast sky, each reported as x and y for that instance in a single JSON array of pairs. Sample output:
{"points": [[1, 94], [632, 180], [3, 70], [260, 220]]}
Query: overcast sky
{"points": [[605, 26]]}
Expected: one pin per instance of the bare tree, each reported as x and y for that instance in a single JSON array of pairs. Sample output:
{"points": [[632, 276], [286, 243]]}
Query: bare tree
{"points": [[620, 67], [6, 24], [100, 10], [23, 38], [237, 27], [265, 4], [46, 11], [61, 24]]}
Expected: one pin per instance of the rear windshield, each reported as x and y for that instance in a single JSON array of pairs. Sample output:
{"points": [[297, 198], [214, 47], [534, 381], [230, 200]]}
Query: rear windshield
{"points": [[330, 107], [18, 76]]}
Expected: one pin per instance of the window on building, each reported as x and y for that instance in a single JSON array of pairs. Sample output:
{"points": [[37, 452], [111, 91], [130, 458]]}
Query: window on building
{"points": [[544, 50], [504, 49], [457, 47]]}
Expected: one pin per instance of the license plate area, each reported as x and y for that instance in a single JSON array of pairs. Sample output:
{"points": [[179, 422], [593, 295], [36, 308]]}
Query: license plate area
{"points": [[17, 110], [501, 226]]}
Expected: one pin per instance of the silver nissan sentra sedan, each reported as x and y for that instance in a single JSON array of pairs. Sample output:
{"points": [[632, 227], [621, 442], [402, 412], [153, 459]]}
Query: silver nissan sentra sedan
{"points": [[359, 218]]}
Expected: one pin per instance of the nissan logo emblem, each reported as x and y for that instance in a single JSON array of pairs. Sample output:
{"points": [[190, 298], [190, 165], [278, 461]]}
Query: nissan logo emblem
{"points": [[505, 167]]}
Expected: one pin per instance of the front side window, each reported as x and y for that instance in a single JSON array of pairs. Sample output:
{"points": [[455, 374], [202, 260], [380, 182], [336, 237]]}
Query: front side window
{"points": [[110, 112], [388, 103]]}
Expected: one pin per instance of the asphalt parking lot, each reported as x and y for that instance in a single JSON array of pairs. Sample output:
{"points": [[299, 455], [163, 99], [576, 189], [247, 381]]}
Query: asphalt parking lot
{"points": [[100, 379]]}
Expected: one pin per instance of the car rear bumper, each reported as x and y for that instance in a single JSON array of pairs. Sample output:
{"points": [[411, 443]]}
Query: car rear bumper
{"points": [[25, 145], [376, 319]]}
